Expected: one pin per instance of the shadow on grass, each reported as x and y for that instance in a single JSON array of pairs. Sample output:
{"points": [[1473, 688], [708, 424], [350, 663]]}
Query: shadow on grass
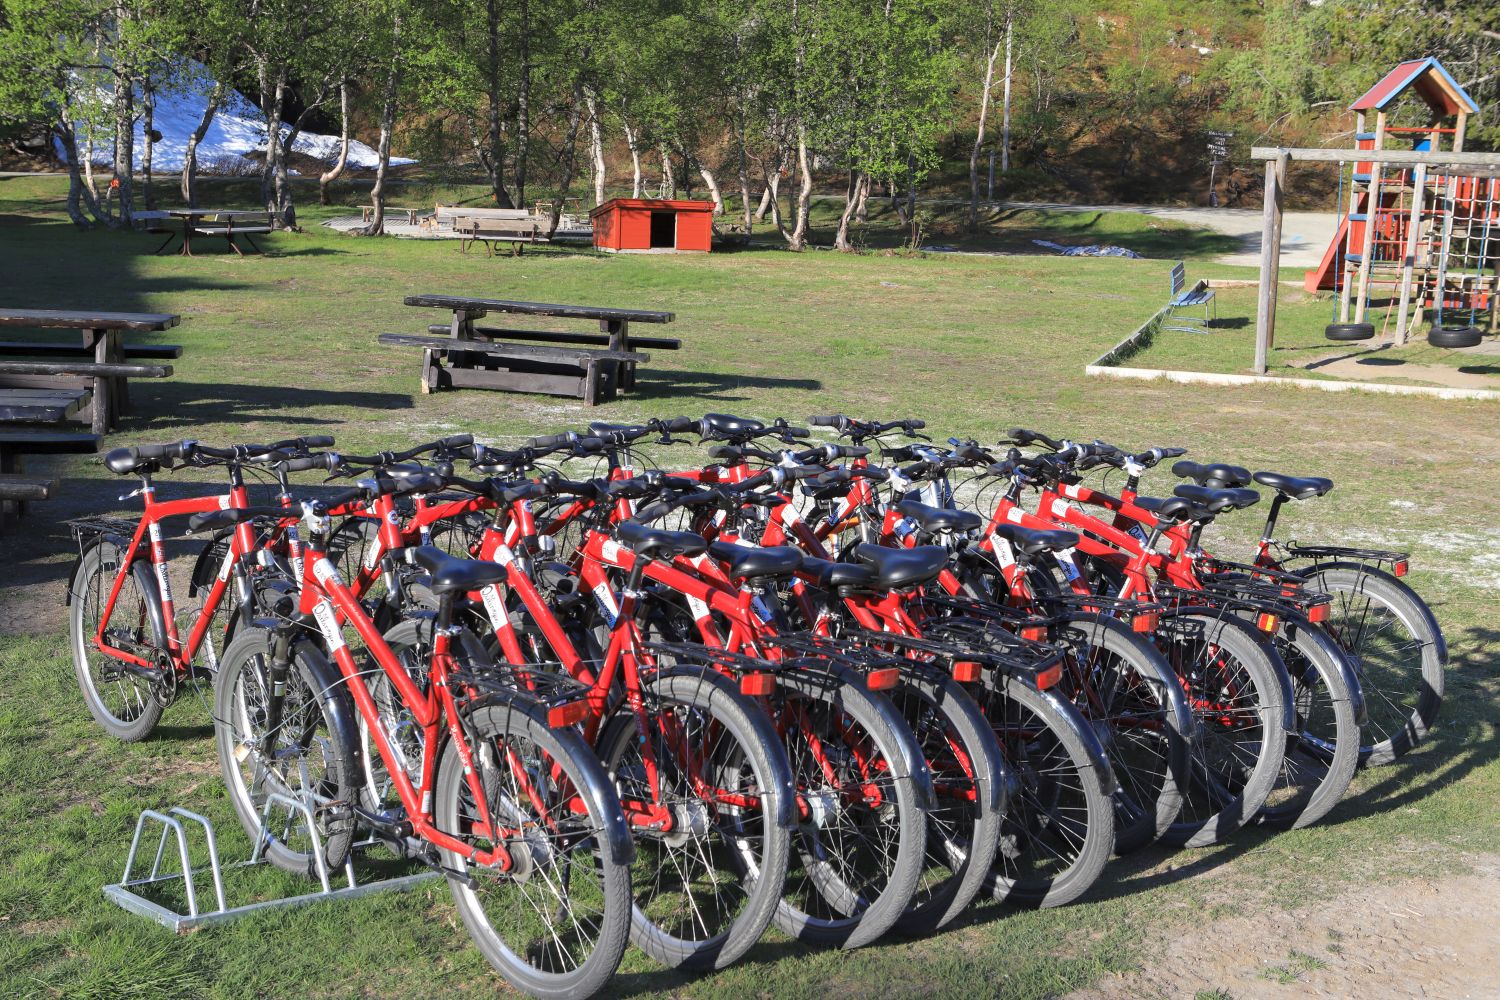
{"points": [[677, 383], [174, 403]]}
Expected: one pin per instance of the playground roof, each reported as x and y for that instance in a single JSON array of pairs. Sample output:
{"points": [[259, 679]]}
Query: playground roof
{"points": [[1441, 92]]}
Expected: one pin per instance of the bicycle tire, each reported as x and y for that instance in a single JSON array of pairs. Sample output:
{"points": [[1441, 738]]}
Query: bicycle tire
{"points": [[562, 856], [327, 737], [1061, 809], [1131, 691], [753, 884], [1402, 680], [1322, 749], [1212, 652], [137, 709]]}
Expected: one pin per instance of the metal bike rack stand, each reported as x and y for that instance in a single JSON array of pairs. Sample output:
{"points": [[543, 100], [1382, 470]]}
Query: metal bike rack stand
{"points": [[124, 894]]}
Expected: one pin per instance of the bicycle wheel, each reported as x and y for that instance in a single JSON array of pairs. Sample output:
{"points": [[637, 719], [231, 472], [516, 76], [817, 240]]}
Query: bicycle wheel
{"points": [[1059, 827], [1239, 694], [1322, 747], [1398, 651], [311, 756], [556, 923], [119, 698], [704, 890], [860, 777], [1128, 693], [970, 790]]}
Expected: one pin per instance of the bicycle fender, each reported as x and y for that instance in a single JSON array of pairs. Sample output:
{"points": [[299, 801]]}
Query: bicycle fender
{"points": [[95, 541], [785, 795], [1283, 678], [1099, 759], [1422, 608], [913, 764], [994, 785], [326, 675]]}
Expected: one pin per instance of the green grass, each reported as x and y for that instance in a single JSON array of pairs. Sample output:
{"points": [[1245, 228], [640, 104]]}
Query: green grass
{"points": [[1299, 964], [285, 344]]}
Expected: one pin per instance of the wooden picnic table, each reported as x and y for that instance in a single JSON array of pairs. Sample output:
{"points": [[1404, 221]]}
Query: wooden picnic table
{"points": [[608, 367], [108, 394], [192, 222]]}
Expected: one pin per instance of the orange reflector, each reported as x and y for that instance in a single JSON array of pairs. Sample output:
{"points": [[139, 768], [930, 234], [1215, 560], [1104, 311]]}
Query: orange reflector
{"points": [[756, 685], [1267, 622], [1317, 613], [966, 671], [1050, 676], [571, 714], [1400, 567], [1036, 633], [882, 679], [1145, 623]]}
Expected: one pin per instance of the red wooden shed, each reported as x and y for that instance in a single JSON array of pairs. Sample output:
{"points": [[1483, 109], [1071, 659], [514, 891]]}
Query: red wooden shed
{"points": [[653, 225]]}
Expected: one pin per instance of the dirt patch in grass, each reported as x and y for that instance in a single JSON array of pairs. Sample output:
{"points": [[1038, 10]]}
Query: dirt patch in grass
{"points": [[1417, 938]]}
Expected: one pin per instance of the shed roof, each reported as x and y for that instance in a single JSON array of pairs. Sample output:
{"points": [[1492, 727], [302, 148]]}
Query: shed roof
{"points": [[658, 204], [1433, 84]]}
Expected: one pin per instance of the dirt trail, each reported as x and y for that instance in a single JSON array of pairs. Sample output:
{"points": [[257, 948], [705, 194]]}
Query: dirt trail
{"points": [[1419, 938]]}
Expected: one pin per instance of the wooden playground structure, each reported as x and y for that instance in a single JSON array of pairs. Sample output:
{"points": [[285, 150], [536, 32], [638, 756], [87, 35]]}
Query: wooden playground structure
{"points": [[1420, 232]]}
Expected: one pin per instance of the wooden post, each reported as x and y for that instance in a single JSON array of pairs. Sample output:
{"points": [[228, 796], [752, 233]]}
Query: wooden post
{"points": [[1270, 260], [1413, 229], [1342, 266], [1372, 207]]}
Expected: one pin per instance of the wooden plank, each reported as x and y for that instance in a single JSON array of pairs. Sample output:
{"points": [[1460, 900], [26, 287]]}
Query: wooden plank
{"points": [[39, 409], [538, 308], [47, 442], [479, 378], [560, 337], [16, 487], [27, 348], [1409, 253], [68, 319], [1372, 215], [91, 369], [1270, 262], [1315, 155], [558, 355]]}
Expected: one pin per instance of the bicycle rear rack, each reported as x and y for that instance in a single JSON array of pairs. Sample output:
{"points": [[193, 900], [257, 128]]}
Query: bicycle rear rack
{"points": [[176, 821]]}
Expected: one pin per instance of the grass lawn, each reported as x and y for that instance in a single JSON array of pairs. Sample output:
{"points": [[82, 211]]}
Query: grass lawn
{"points": [[284, 344]]}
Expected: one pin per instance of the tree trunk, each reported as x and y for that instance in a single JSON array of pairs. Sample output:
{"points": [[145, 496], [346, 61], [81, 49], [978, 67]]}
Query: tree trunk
{"points": [[273, 99], [570, 158], [1005, 99], [862, 208], [765, 201], [523, 104], [190, 157], [124, 160], [596, 144], [668, 186], [492, 155], [635, 158], [773, 185], [78, 194], [984, 111], [148, 102], [337, 170], [798, 238], [851, 198], [743, 170], [712, 183], [387, 123]]}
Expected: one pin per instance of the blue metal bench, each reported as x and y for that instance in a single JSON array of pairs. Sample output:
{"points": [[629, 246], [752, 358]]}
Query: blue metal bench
{"points": [[1184, 298]]}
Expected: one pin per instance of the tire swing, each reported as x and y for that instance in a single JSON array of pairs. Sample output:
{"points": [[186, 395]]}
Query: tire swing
{"points": [[1454, 335]]}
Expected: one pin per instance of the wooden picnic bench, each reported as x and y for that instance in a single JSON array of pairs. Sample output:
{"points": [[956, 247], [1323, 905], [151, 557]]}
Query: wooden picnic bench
{"points": [[367, 212], [17, 488], [228, 223], [97, 390], [544, 361], [489, 231]]}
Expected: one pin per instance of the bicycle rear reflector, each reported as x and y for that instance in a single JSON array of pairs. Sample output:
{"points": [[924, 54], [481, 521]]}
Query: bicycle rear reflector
{"points": [[966, 671], [1036, 633], [563, 716], [757, 685], [882, 679], [1317, 613], [1400, 568], [1145, 623], [1048, 677], [1267, 622]]}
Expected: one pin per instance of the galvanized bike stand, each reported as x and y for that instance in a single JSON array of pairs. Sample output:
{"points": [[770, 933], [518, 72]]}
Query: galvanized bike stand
{"points": [[123, 892]]}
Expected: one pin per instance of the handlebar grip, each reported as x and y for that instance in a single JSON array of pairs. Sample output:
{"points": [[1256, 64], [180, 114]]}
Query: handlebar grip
{"points": [[914, 470], [551, 441], [753, 483], [592, 445], [825, 420], [724, 451], [916, 425], [679, 424], [796, 432], [873, 473], [853, 450], [164, 452], [318, 441], [327, 462], [456, 441], [1171, 452], [357, 494]]}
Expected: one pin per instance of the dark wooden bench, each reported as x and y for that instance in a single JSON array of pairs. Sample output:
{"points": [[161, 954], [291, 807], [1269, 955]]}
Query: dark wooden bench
{"points": [[580, 372], [37, 348], [103, 385], [16, 491], [614, 332], [480, 229], [16, 488]]}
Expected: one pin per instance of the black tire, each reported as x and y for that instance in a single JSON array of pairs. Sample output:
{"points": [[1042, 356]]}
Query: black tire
{"points": [[316, 742], [856, 866], [1397, 650], [1322, 748], [1123, 686], [743, 853], [1454, 335], [125, 704], [1239, 743], [1059, 826], [1349, 331], [970, 788], [557, 924]]}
